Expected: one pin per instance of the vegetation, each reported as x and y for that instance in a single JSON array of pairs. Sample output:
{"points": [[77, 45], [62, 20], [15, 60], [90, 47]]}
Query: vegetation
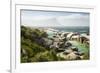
{"points": [[32, 46]]}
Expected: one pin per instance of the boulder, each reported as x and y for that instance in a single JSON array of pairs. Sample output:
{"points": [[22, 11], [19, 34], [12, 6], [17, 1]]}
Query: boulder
{"points": [[74, 48], [69, 50], [71, 56], [67, 44]]}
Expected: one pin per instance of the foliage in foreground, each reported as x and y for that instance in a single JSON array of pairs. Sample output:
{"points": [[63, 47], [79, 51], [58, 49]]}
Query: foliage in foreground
{"points": [[32, 46]]}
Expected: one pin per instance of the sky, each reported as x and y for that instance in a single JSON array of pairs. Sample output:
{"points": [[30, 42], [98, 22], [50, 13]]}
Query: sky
{"points": [[53, 18]]}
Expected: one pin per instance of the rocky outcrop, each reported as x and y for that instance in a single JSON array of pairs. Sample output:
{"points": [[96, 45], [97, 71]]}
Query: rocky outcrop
{"points": [[71, 54]]}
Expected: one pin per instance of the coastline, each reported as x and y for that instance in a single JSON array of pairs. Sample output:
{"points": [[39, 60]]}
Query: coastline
{"points": [[64, 45]]}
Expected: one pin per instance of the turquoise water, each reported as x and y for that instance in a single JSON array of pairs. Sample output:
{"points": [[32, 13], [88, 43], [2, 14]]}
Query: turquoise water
{"points": [[80, 46], [77, 29], [50, 34]]}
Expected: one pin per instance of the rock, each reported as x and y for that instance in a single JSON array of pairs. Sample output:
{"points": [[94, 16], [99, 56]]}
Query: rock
{"points": [[74, 48], [81, 53], [67, 44], [52, 46], [69, 50], [81, 57], [24, 52], [65, 53], [71, 56], [77, 53], [59, 50], [48, 42]]}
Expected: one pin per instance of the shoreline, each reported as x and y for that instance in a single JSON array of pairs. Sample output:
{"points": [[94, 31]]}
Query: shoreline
{"points": [[61, 44]]}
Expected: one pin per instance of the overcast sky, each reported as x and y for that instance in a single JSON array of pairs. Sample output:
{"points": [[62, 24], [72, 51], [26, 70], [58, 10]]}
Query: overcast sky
{"points": [[51, 18]]}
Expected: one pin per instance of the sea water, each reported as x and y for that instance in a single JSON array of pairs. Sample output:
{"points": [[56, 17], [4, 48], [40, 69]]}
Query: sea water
{"points": [[78, 29]]}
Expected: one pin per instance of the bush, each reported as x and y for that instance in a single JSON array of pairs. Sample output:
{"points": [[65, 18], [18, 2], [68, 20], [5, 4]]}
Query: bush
{"points": [[28, 50], [32, 48], [43, 57]]}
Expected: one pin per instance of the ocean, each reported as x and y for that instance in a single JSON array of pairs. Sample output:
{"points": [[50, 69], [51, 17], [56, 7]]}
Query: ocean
{"points": [[77, 29]]}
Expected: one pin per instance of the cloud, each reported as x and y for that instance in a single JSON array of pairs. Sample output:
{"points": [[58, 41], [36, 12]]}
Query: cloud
{"points": [[74, 16], [40, 21], [74, 20], [46, 19]]}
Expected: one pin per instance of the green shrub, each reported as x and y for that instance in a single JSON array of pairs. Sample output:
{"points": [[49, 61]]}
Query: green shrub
{"points": [[31, 44]]}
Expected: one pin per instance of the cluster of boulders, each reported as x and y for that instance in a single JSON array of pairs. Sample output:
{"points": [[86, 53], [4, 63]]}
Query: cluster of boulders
{"points": [[64, 48], [72, 53]]}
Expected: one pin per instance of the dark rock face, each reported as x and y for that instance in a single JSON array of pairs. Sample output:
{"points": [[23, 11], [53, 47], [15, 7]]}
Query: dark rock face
{"points": [[67, 44]]}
